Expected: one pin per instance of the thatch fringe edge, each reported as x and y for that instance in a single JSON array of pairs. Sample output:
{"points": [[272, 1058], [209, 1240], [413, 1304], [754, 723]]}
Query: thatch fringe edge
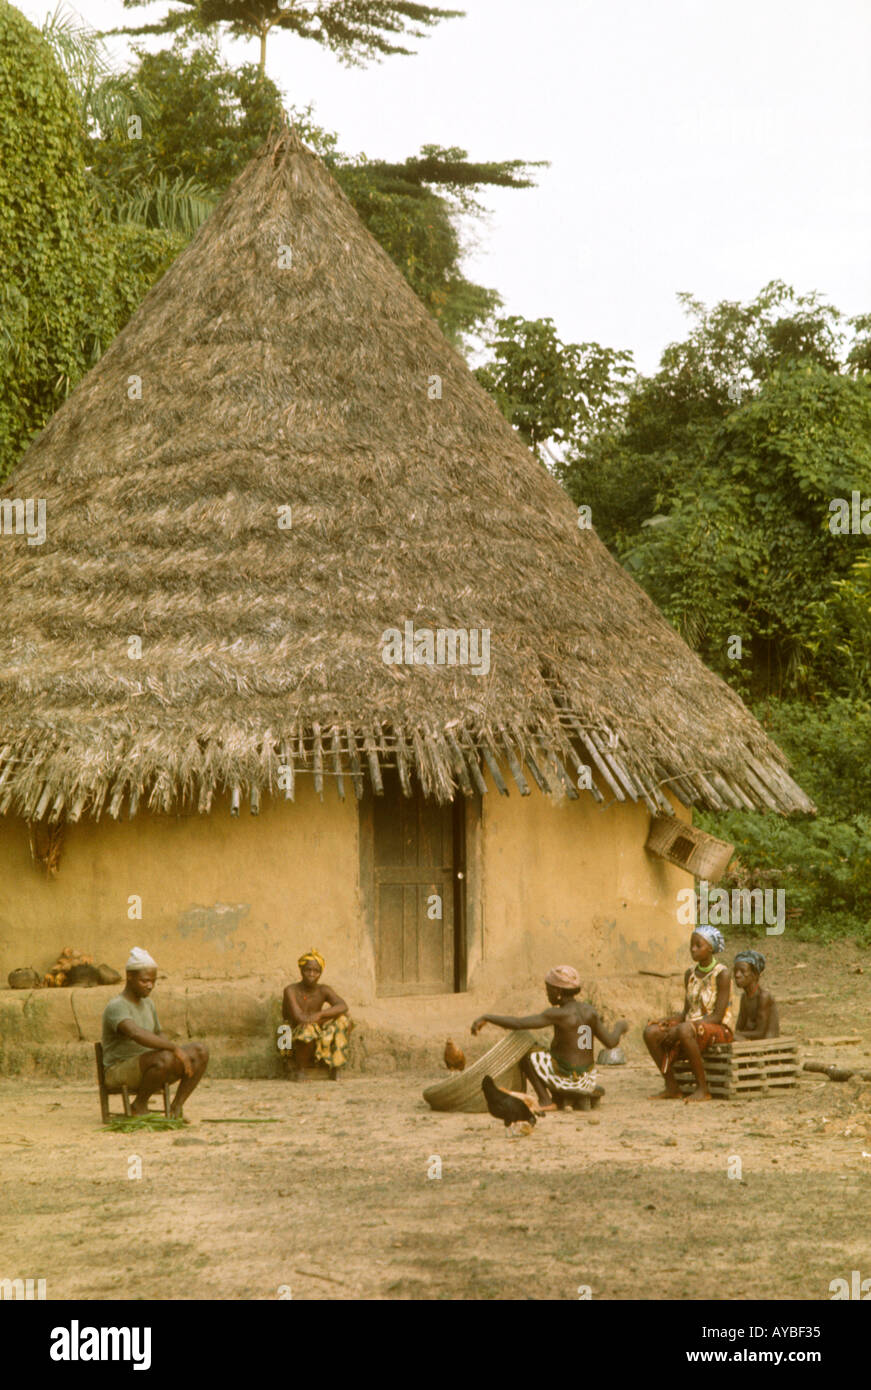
{"points": [[445, 762]]}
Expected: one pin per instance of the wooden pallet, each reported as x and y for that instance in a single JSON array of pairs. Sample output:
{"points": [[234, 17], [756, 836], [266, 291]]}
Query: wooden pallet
{"points": [[745, 1069]]}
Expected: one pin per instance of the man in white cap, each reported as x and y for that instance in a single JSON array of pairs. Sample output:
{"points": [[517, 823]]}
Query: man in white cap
{"points": [[565, 1073], [136, 1053]]}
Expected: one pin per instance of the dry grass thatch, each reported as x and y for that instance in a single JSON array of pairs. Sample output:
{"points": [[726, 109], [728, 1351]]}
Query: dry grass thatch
{"points": [[309, 386]]}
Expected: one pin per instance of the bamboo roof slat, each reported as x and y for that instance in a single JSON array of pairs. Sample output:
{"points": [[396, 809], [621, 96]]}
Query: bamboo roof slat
{"points": [[318, 762], [592, 789], [471, 755], [255, 801], [336, 748], [516, 771], [7, 772], [374, 769], [492, 764], [42, 804], [685, 791], [738, 791], [568, 785], [711, 795], [601, 765], [402, 763], [779, 781], [287, 772], [356, 771], [460, 764], [538, 776], [610, 757], [729, 795], [235, 801], [763, 793], [662, 800]]}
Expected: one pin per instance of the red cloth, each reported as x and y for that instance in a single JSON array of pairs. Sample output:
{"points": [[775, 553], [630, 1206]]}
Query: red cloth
{"points": [[706, 1033]]}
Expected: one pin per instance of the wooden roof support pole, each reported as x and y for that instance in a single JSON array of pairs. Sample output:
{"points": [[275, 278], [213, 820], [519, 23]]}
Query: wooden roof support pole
{"points": [[402, 763], [459, 763], [490, 760], [516, 772], [336, 747], [318, 761], [356, 771], [374, 769]]}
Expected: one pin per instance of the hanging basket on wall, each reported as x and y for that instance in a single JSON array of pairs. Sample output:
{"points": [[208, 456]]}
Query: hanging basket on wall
{"points": [[694, 850]]}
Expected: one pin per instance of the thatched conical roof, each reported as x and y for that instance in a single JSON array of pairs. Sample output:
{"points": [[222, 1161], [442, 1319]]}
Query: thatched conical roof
{"points": [[310, 385]]}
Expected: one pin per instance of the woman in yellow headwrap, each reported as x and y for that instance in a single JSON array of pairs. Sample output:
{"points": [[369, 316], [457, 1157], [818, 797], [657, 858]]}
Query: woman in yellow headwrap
{"points": [[317, 1016]]}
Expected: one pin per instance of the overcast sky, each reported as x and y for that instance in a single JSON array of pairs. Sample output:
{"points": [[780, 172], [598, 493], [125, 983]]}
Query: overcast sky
{"points": [[694, 145]]}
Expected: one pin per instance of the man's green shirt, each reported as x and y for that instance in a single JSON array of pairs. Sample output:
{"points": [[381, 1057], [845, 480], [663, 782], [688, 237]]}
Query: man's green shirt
{"points": [[117, 1048]]}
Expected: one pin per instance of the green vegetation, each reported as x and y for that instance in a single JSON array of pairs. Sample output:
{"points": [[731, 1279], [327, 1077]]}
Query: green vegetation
{"points": [[70, 280], [711, 481]]}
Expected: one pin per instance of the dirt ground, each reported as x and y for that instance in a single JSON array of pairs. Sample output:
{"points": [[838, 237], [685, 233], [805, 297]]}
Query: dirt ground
{"points": [[333, 1200]]}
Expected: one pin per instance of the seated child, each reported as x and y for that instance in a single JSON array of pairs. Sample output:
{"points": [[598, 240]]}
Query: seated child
{"points": [[318, 1016], [566, 1072], [706, 1018], [757, 1016]]}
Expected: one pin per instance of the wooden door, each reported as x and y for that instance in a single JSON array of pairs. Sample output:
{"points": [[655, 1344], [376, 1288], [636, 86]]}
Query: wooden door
{"points": [[415, 891]]}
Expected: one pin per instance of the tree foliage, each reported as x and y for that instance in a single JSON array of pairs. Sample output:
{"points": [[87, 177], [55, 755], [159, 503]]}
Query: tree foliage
{"points": [[69, 281], [822, 864], [552, 392], [357, 31]]}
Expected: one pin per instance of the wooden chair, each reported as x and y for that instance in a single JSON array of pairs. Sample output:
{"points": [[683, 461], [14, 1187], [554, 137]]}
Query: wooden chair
{"points": [[122, 1091]]}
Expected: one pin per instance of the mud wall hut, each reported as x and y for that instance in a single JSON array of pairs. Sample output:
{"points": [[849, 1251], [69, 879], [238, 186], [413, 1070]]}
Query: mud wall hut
{"points": [[314, 650]]}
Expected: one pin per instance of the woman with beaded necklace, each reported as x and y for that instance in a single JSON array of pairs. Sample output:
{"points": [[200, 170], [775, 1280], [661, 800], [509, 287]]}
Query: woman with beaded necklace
{"points": [[706, 1018]]}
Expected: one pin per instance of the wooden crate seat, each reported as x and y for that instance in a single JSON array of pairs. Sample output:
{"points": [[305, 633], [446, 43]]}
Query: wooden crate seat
{"points": [[745, 1069]]}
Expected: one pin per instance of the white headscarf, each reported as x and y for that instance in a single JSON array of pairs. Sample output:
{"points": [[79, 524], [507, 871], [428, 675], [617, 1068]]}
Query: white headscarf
{"points": [[140, 960]]}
